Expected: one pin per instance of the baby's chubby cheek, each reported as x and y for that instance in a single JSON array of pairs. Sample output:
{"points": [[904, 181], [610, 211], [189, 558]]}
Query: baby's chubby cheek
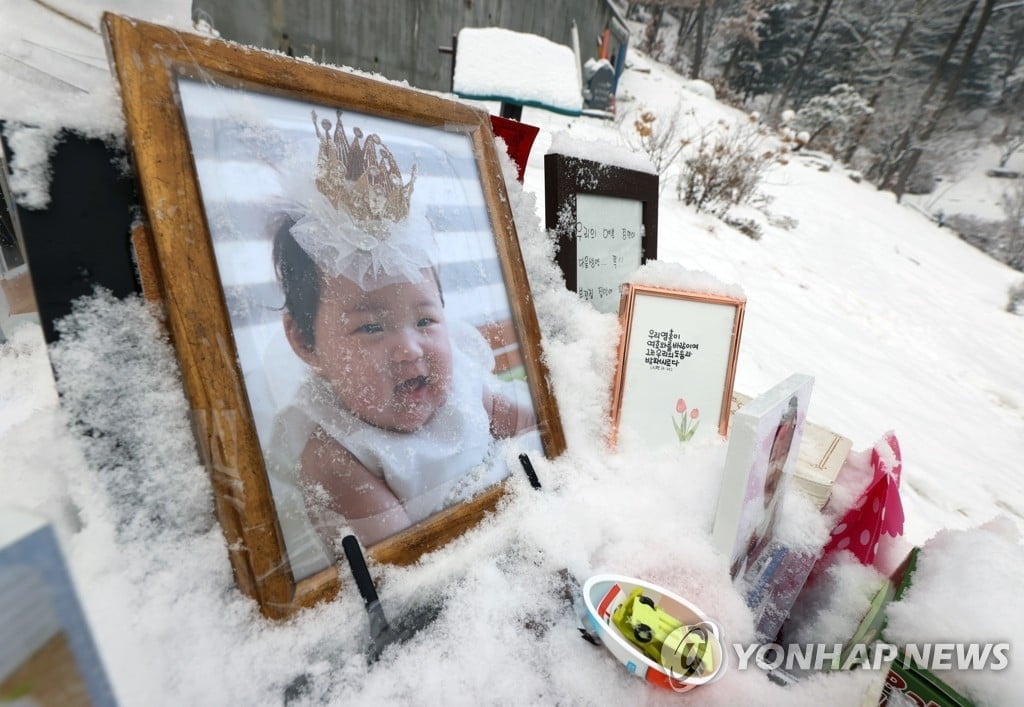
{"points": [[441, 382]]}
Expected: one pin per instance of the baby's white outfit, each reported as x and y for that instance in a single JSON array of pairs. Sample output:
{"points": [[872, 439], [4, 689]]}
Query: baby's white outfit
{"points": [[443, 463]]}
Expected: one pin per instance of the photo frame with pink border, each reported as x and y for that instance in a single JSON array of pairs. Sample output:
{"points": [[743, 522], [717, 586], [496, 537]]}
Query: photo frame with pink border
{"points": [[676, 364]]}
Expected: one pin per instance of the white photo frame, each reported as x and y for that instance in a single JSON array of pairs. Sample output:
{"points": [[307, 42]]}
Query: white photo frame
{"points": [[764, 443]]}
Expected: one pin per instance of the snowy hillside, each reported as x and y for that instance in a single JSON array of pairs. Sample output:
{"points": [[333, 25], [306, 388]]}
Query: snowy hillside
{"points": [[902, 325]]}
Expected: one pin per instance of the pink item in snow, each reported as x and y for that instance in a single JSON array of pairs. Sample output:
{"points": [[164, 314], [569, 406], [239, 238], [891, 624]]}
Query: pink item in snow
{"points": [[879, 508]]}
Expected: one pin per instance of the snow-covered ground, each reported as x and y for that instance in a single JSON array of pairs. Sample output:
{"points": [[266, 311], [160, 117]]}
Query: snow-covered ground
{"points": [[902, 325]]}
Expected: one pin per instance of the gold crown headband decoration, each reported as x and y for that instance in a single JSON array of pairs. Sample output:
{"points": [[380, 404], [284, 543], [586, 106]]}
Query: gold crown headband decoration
{"points": [[353, 177], [353, 218]]}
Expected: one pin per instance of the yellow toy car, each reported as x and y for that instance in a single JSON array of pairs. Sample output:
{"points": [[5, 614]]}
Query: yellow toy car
{"points": [[663, 638]]}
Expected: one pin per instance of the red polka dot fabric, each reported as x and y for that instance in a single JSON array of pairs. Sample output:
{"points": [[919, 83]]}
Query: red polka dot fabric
{"points": [[878, 510]]}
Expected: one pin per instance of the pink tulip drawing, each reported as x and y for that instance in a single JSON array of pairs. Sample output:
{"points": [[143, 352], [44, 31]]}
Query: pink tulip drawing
{"points": [[684, 429]]}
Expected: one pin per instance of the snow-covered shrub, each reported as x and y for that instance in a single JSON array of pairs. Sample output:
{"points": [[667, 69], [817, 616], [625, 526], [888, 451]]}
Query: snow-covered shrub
{"points": [[701, 88], [786, 223], [981, 233], [726, 166], [658, 139], [745, 225], [1015, 305], [830, 120]]}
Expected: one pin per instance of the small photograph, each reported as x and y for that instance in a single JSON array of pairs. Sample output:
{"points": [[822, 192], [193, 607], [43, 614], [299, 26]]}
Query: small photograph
{"points": [[367, 302], [764, 442], [770, 494]]}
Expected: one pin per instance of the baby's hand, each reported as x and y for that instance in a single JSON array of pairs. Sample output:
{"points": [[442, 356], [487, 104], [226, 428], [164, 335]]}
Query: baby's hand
{"points": [[508, 418]]}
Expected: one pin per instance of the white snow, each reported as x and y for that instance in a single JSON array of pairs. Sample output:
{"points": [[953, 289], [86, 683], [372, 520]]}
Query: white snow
{"points": [[672, 275], [701, 88], [498, 63], [944, 602], [901, 324], [614, 154]]}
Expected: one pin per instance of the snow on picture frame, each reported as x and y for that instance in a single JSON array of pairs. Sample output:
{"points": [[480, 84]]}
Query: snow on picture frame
{"points": [[605, 217], [237, 152], [676, 364]]}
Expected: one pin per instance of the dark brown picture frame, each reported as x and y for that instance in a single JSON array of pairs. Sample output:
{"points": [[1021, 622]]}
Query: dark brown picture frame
{"points": [[566, 176], [178, 267]]}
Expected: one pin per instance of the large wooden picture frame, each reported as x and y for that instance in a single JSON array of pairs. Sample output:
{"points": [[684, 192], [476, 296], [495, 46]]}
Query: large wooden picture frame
{"points": [[220, 136], [606, 221], [677, 364]]}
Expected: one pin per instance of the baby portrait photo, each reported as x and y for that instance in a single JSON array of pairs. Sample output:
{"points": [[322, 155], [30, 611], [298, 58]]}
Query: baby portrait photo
{"points": [[368, 305], [763, 449], [770, 492]]}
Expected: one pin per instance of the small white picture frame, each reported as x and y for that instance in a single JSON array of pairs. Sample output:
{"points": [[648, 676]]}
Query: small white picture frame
{"points": [[764, 442]]}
